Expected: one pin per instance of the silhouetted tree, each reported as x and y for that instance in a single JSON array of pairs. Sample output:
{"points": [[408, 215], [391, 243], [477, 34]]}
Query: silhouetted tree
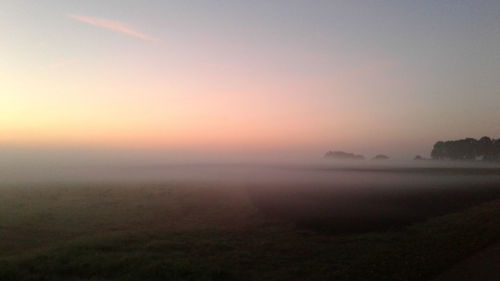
{"points": [[495, 151], [381, 157], [467, 149], [343, 155], [485, 147], [439, 150]]}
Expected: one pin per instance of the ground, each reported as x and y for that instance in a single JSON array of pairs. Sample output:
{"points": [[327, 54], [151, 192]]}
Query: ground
{"points": [[172, 231], [482, 266]]}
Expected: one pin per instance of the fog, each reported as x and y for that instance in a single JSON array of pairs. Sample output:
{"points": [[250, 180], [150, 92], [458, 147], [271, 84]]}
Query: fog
{"points": [[318, 194], [33, 165]]}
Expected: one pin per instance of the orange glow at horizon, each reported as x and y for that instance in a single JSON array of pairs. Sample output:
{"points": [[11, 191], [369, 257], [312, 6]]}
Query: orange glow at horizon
{"points": [[136, 108]]}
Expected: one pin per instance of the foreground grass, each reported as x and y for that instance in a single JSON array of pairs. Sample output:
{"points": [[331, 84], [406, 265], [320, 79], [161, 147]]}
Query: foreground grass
{"points": [[261, 250]]}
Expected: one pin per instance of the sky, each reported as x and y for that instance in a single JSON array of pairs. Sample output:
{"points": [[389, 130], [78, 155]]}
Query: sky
{"points": [[248, 77]]}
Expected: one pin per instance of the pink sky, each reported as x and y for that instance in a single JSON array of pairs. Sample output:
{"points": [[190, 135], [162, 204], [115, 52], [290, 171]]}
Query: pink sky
{"points": [[246, 77]]}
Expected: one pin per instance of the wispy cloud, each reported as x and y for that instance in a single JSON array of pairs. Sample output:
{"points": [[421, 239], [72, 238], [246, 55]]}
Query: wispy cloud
{"points": [[115, 26]]}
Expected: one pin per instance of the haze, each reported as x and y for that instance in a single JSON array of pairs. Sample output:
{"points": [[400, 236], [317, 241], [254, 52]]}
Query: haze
{"points": [[232, 140], [235, 79]]}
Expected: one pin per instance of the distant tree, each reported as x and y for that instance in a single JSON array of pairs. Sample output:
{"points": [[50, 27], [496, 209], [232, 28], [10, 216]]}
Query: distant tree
{"points": [[495, 151], [467, 149], [439, 150], [485, 148], [343, 155], [380, 157], [418, 157]]}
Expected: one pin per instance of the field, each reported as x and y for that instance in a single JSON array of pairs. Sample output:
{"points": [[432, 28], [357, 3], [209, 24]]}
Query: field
{"points": [[175, 230]]}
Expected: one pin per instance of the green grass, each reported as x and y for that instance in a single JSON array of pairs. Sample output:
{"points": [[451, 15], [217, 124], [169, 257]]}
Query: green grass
{"points": [[173, 232]]}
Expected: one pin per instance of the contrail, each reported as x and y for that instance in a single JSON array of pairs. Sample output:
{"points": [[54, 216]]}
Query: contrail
{"points": [[115, 26]]}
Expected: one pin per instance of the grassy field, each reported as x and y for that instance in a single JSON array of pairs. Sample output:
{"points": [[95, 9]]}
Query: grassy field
{"points": [[210, 232]]}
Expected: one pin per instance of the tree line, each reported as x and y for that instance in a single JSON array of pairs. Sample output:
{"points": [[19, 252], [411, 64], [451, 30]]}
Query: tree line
{"points": [[485, 148]]}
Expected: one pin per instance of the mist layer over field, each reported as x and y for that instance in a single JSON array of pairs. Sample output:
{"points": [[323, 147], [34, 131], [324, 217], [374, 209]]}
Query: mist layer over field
{"points": [[322, 220], [324, 196]]}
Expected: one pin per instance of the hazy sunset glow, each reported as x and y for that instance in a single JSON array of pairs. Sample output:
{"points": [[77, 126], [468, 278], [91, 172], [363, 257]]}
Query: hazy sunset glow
{"points": [[381, 76], [248, 140]]}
